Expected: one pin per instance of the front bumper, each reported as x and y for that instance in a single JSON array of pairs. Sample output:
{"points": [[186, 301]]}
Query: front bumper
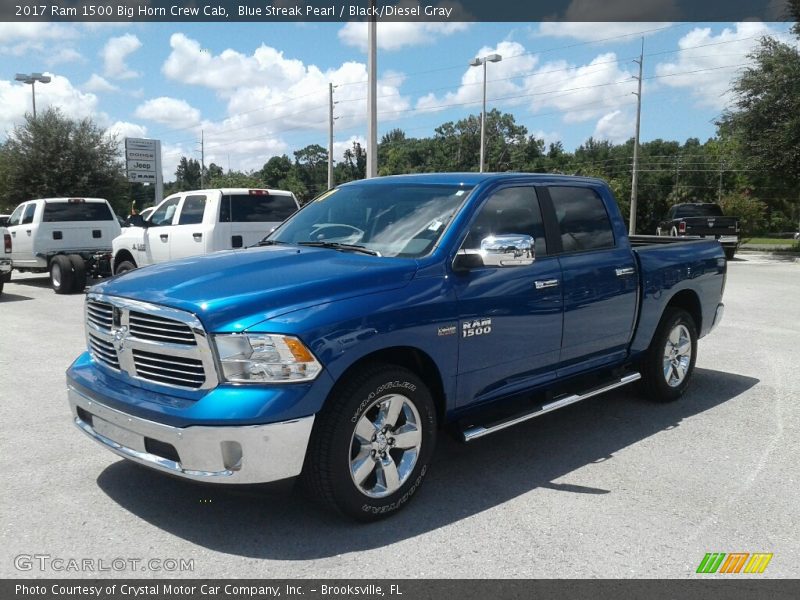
{"points": [[238, 454]]}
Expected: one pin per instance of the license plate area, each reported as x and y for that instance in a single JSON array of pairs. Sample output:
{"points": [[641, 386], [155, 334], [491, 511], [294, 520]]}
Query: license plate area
{"points": [[117, 434]]}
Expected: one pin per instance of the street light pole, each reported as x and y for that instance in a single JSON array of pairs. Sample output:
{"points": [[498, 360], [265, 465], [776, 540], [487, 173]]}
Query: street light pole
{"points": [[31, 80], [477, 62]]}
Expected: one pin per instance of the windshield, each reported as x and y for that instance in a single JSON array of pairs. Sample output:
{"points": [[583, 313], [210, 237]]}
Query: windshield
{"points": [[400, 220]]}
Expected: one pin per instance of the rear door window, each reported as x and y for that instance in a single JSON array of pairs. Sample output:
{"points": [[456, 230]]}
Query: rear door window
{"points": [[582, 219], [192, 211], [60, 212], [256, 208]]}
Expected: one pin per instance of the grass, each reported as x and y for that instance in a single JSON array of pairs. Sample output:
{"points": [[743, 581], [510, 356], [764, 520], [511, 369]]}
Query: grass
{"points": [[762, 241]]}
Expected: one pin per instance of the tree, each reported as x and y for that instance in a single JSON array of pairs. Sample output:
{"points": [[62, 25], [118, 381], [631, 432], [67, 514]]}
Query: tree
{"points": [[276, 171], [54, 156], [187, 175], [764, 121]]}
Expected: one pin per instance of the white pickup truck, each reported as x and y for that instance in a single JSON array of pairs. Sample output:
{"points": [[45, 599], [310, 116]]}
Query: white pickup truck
{"points": [[68, 237], [200, 222]]}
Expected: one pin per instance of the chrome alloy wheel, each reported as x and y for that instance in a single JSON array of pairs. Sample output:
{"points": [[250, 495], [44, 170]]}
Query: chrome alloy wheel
{"points": [[385, 445], [677, 355]]}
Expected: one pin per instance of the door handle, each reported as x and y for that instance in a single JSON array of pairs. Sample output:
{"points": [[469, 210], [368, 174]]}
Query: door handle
{"points": [[547, 283], [197, 236], [164, 237], [625, 271]]}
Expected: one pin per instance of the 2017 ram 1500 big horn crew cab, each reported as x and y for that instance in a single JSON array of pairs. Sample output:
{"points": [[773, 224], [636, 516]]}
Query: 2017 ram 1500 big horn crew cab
{"points": [[377, 314]]}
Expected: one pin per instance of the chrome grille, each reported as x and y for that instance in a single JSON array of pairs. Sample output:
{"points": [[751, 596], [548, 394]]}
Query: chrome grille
{"points": [[149, 342], [158, 329], [103, 351], [101, 314], [172, 370]]}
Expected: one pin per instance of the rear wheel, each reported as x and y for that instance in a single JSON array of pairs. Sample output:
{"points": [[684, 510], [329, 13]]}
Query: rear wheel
{"points": [[2, 283], [730, 253], [61, 274], [372, 443], [669, 362], [78, 273], [124, 267]]}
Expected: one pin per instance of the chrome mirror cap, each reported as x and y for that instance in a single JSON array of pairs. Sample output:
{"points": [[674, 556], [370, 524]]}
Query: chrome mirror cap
{"points": [[507, 250]]}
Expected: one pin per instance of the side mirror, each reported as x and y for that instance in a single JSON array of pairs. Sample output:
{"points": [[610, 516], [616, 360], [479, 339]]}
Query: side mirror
{"points": [[507, 250], [136, 221]]}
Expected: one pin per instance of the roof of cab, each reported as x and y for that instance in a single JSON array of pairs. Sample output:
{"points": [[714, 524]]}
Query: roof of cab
{"points": [[471, 179]]}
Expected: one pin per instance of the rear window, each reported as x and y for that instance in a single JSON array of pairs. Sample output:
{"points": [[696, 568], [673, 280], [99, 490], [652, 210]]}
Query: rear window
{"points": [[247, 208], [698, 210], [59, 212]]}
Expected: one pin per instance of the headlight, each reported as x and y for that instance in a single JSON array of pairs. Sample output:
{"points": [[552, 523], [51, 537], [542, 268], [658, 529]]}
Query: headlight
{"points": [[265, 358]]}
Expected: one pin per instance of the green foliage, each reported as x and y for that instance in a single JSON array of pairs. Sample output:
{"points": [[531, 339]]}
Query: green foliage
{"points": [[236, 179], [751, 211], [53, 156]]}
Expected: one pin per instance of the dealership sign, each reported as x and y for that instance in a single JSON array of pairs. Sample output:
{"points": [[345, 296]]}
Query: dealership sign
{"points": [[143, 160]]}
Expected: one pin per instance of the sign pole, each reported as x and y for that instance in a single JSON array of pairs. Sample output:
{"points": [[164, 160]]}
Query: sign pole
{"points": [[159, 174]]}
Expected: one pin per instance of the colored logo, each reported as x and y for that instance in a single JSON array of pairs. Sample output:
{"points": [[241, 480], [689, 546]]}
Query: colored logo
{"points": [[736, 562]]}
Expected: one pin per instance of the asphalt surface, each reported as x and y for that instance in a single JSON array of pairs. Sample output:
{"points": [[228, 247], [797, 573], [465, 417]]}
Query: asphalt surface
{"points": [[612, 487]]}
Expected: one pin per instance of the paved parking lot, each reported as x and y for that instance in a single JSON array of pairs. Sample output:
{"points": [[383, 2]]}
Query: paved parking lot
{"points": [[612, 487]]}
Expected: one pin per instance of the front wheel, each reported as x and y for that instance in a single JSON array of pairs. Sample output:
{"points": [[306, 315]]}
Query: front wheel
{"points": [[372, 443], [669, 362], [124, 267]]}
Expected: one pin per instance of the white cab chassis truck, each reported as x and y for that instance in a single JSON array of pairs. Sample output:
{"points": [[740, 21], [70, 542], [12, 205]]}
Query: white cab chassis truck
{"points": [[69, 238], [200, 222]]}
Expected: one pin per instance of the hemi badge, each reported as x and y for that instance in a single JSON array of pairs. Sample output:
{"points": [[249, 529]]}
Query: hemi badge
{"points": [[447, 330]]}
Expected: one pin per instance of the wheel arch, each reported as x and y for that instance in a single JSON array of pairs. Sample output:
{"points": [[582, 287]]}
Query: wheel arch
{"points": [[689, 301], [122, 256], [414, 359]]}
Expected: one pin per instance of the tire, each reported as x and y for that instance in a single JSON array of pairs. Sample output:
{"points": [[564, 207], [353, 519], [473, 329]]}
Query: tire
{"points": [[730, 253], [356, 466], [674, 332], [78, 273], [124, 267], [2, 283], [7, 277], [61, 274]]}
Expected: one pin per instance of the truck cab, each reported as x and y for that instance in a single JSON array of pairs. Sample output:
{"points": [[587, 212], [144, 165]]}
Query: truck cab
{"points": [[199, 222]]}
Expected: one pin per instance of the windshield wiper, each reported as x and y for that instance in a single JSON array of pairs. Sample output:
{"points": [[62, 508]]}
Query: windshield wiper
{"points": [[267, 243], [338, 246]]}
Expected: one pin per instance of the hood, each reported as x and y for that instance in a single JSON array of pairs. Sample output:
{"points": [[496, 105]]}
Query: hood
{"points": [[234, 290]]}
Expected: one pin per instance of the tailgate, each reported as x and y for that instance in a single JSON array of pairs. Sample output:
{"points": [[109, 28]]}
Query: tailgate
{"points": [[711, 226], [87, 235]]}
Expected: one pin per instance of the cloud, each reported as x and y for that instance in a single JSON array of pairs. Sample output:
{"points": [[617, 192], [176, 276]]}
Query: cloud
{"points": [[580, 92], [594, 32], [269, 96], [395, 35], [98, 84], [616, 126], [708, 63], [115, 54], [175, 113], [15, 98], [123, 129]]}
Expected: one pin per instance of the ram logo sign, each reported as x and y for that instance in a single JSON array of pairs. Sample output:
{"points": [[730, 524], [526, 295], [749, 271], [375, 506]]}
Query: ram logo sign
{"points": [[736, 562]]}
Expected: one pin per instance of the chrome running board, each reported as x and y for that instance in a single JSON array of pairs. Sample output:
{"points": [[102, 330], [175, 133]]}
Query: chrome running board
{"points": [[478, 431]]}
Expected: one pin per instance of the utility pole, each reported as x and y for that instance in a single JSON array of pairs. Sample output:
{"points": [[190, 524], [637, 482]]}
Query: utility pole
{"points": [[330, 135], [719, 192], [635, 176], [202, 161], [372, 95]]}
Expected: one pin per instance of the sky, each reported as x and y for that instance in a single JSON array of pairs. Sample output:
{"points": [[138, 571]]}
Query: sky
{"points": [[256, 90]]}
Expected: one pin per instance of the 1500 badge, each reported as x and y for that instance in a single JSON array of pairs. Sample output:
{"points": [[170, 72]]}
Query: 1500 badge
{"points": [[476, 327]]}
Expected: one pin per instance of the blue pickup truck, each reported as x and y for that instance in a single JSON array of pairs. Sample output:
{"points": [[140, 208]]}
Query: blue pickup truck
{"points": [[381, 314]]}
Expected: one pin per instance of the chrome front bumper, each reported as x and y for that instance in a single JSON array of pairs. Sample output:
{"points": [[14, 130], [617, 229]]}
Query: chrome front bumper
{"points": [[241, 454]]}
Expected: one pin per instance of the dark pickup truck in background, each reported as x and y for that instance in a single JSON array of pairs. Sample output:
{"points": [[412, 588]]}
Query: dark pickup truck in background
{"points": [[379, 313], [703, 220]]}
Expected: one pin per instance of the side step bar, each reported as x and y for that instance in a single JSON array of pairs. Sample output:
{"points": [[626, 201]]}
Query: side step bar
{"points": [[478, 431]]}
